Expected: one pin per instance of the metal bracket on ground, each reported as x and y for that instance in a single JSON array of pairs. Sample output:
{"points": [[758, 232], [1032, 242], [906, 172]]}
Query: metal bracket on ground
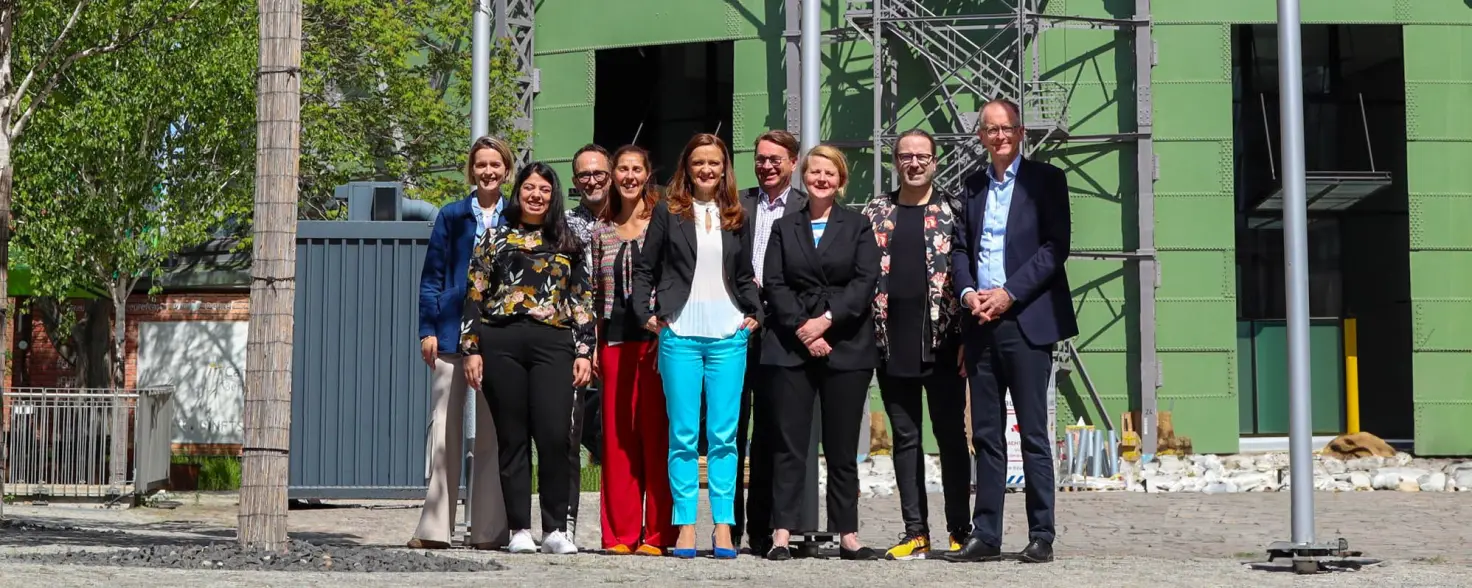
{"points": [[1313, 558]]}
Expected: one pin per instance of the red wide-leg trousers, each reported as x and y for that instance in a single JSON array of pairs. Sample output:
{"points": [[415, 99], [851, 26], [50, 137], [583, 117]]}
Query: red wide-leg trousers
{"points": [[636, 502]]}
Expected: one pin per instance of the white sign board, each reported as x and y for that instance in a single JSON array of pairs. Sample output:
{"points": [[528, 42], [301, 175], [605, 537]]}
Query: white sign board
{"points": [[1015, 477], [205, 362]]}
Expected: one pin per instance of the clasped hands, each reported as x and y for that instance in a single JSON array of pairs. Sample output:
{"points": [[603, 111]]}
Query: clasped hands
{"points": [[988, 305], [811, 334]]}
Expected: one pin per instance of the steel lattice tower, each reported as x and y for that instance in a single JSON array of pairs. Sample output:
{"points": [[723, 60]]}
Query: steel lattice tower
{"points": [[993, 51]]}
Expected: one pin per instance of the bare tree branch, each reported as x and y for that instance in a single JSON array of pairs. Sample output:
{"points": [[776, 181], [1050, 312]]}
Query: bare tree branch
{"points": [[116, 44]]}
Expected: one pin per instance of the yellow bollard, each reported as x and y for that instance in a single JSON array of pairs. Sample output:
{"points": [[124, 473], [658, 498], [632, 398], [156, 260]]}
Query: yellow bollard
{"points": [[1351, 375]]}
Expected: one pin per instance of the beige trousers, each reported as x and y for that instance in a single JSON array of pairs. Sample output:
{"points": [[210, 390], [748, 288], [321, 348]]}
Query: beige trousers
{"points": [[444, 458]]}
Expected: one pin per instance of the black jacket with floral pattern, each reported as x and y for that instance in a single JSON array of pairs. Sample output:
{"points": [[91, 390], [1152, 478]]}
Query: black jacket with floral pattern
{"points": [[514, 274], [941, 216]]}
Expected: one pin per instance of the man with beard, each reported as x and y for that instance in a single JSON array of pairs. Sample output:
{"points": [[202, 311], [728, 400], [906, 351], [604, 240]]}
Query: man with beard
{"points": [[917, 322], [593, 178], [776, 156]]}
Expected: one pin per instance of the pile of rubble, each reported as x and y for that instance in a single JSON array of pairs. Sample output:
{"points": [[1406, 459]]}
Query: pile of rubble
{"points": [[1216, 474], [1268, 472]]}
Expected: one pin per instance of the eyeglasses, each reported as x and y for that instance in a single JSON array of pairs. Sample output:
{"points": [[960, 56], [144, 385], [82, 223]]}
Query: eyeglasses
{"points": [[596, 176], [773, 160], [998, 131], [920, 158]]}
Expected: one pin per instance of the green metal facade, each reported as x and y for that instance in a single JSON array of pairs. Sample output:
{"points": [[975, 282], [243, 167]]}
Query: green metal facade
{"points": [[1197, 324]]}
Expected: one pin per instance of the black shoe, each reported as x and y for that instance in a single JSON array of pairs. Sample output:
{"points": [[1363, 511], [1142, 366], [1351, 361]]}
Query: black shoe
{"points": [[780, 553], [974, 550], [860, 554], [1037, 552], [759, 545]]}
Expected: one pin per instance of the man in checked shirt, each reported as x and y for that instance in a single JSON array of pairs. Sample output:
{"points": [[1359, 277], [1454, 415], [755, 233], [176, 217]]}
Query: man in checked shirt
{"points": [[776, 156]]}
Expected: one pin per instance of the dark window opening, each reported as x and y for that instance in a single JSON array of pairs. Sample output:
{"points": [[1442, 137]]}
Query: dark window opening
{"points": [[658, 96], [1358, 233]]}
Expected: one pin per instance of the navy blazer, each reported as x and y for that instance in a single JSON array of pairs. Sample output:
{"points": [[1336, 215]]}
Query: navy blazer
{"points": [[442, 283], [1037, 245]]}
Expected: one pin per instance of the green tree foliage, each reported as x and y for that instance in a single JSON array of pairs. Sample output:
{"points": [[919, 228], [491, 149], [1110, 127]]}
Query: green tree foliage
{"points": [[140, 154], [386, 97]]}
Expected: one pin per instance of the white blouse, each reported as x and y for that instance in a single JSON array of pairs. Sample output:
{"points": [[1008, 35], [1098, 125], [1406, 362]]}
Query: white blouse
{"points": [[709, 312]]}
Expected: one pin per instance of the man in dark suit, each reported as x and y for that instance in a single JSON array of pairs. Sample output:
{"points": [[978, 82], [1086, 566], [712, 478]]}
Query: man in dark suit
{"points": [[1007, 259], [776, 156]]}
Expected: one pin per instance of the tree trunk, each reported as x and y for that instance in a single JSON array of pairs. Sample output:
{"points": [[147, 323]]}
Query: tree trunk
{"points": [[5, 184], [273, 275], [116, 376]]}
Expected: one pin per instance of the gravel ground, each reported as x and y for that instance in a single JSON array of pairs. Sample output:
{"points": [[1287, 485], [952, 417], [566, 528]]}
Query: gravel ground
{"points": [[1106, 539]]}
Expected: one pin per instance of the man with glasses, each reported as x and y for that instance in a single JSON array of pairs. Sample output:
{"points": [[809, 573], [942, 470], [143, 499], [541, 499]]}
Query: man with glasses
{"points": [[917, 323], [592, 178], [1007, 258], [591, 175], [775, 197]]}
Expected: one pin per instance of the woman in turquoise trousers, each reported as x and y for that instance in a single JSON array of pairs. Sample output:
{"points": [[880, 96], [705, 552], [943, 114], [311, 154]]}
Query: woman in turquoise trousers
{"points": [[698, 277]]}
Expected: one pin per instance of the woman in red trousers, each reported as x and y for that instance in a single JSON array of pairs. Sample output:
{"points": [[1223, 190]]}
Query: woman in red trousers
{"points": [[636, 504]]}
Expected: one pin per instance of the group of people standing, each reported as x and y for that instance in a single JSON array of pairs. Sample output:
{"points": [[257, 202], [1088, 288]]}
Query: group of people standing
{"points": [[704, 309]]}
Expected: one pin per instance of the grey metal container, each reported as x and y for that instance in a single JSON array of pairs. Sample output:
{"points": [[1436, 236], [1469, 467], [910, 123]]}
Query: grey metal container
{"points": [[360, 392]]}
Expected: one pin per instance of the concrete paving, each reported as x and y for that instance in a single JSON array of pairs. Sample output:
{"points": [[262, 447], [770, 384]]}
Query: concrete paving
{"points": [[1105, 539]]}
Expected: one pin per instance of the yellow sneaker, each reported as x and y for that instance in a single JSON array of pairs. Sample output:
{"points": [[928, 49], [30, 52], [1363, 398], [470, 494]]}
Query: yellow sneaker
{"points": [[909, 547], [619, 549], [955, 545]]}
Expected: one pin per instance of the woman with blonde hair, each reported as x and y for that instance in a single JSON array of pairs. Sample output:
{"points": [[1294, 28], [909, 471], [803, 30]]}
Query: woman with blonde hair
{"points": [[697, 273], [441, 296], [821, 270]]}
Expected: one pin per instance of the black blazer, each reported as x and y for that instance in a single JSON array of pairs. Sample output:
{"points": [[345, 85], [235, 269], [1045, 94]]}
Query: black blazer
{"points": [[668, 261], [802, 281], [1037, 245]]}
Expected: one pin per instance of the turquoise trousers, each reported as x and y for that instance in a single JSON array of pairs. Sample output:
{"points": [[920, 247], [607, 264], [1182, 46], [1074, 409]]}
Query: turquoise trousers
{"points": [[716, 367]]}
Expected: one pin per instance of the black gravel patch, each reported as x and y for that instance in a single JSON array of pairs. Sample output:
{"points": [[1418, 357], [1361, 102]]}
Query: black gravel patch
{"points": [[301, 556]]}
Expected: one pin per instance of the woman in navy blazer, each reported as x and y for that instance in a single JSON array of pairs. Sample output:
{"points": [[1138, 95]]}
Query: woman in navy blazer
{"points": [[441, 300]]}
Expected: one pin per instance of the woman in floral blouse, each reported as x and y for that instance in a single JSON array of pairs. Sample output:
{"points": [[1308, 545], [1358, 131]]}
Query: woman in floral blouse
{"points": [[529, 331], [636, 503]]}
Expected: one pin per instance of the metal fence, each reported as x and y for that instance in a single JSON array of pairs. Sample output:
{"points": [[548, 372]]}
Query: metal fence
{"points": [[86, 442]]}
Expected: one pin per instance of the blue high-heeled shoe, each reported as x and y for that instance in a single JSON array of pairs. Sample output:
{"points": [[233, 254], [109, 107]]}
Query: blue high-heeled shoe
{"points": [[682, 553], [721, 552]]}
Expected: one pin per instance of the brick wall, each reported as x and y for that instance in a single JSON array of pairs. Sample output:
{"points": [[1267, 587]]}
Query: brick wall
{"points": [[45, 367]]}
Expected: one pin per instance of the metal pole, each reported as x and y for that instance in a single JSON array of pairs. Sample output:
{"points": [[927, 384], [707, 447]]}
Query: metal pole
{"points": [[812, 47], [480, 71], [1295, 246], [811, 52], [878, 40]]}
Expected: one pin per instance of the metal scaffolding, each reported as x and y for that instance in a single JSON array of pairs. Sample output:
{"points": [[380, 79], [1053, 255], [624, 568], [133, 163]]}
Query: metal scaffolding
{"points": [[994, 52], [516, 22]]}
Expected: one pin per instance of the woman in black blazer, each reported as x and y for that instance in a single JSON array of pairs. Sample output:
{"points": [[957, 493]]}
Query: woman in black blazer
{"points": [[821, 270], [696, 271]]}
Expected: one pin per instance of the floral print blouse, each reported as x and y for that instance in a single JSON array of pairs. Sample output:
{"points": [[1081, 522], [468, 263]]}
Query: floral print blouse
{"points": [[941, 215], [514, 274]]}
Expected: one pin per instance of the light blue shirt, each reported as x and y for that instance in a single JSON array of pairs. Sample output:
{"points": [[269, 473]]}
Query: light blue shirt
{"points": [[991, 259], [497, 219]]}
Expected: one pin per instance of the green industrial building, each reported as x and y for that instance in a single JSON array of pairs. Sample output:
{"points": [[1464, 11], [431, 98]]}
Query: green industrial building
{"points": [[1179, 280]]}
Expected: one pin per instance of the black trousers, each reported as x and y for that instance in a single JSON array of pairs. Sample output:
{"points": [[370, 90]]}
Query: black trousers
{"points": [[754, 503], [842, 393], [528, 388], [998, 359], [904, 400]]}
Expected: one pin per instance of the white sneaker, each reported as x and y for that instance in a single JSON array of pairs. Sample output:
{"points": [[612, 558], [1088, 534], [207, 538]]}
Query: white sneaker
{"points": [[522, 542], [557, 542]]}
